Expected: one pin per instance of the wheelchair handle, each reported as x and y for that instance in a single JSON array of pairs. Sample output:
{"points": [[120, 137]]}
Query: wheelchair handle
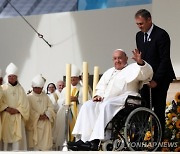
{"points": [[150, 98]]}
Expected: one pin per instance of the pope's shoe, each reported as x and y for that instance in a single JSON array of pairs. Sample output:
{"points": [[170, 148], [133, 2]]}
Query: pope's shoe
{"points": [[79, 142], [89, 146], [74, 145]]}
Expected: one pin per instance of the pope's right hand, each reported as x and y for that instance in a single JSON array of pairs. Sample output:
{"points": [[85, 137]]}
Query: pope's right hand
{"points": [[97, 99]]}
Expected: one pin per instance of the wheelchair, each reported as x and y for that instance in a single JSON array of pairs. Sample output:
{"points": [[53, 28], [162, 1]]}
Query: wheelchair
{"points": [[134, 128]]}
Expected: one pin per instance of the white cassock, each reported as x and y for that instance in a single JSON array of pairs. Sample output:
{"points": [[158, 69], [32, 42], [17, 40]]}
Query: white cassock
{"points": [[13, 126], [114, 86], [59, 131]]}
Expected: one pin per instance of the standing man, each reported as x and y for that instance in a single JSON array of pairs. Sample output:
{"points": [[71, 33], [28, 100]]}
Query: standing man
{"points": [[15, 112], [42, 116], [154, 44], [76, 103], [60, 85], [76, 100]]}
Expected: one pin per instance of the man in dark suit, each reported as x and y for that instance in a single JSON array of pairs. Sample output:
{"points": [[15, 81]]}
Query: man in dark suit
{"points": [[154, 43]]}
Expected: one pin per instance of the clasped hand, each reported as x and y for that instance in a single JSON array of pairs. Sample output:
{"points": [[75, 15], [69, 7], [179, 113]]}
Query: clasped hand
{"points": [[11, 110], [43, 117], [74, 99]]}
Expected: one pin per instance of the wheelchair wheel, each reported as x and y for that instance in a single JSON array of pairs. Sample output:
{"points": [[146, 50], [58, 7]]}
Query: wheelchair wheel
{"points": [[142, 130]]}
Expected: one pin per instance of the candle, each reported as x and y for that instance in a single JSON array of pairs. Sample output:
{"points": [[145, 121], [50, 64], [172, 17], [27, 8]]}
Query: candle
{"points": [[68, 83], [95, 79], [85, 81]]}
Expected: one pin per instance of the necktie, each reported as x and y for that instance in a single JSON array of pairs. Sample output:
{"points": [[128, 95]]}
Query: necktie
{"points": [[146, 37]]}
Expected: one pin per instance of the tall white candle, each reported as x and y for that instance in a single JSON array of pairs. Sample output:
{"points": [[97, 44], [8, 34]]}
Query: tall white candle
{"points": [[95, 78], [85, 81], [68, 84]]}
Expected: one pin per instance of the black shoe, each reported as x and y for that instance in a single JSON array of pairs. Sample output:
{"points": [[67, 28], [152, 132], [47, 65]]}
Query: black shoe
{"points": [[79, 142], [95, 145], [89, 146], [74, 146]]}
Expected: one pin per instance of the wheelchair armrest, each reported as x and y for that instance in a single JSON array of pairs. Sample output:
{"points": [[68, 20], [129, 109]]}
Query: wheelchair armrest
{"points": [[133, 101], [133, 97]]}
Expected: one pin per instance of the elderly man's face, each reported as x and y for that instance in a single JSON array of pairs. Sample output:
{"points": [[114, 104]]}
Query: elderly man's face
{"points": [[119, 59], [143, 24], [74, 80], [60, 85], [12, 79]]}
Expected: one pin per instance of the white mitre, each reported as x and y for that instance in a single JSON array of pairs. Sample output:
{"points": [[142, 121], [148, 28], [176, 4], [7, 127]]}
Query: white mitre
{"points": [[75, 71], [12, 69], [38, 81]]}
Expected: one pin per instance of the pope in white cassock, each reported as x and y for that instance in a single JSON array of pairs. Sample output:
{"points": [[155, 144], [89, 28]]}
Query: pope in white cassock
{"points": [[42, 116], [76, 103], [111, 92], [15, 112]]}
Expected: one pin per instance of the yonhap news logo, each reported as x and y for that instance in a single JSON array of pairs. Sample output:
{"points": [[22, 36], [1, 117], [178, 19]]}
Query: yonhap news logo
{"points": [[153, 144]]}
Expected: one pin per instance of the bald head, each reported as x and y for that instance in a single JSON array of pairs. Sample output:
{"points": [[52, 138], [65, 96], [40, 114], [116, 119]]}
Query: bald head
{"points": [[119, 59]]}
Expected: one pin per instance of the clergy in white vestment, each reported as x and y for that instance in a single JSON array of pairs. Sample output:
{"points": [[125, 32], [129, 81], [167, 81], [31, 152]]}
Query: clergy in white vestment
{"points": [[15, 112], [42, 115], [60, 85], [111, 92], [76, 103]]}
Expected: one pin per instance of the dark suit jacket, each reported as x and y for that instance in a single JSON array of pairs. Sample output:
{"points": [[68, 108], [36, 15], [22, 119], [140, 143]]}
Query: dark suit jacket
{"points": [[157, 53]]}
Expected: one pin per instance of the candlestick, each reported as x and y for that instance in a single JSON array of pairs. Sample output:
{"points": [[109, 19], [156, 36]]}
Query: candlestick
{"points": [[95, 79], [85, 81], [68, 84]]}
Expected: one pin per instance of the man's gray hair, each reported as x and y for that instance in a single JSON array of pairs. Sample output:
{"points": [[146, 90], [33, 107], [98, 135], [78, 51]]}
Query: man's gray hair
{"points": [[120, 50]]}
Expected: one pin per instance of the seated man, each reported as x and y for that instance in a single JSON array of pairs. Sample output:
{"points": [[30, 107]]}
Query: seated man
{"points": [[111, 92]]}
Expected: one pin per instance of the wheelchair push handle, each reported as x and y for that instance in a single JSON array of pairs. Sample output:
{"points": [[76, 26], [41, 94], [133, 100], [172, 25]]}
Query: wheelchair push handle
{"points": [[150, 98]]}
